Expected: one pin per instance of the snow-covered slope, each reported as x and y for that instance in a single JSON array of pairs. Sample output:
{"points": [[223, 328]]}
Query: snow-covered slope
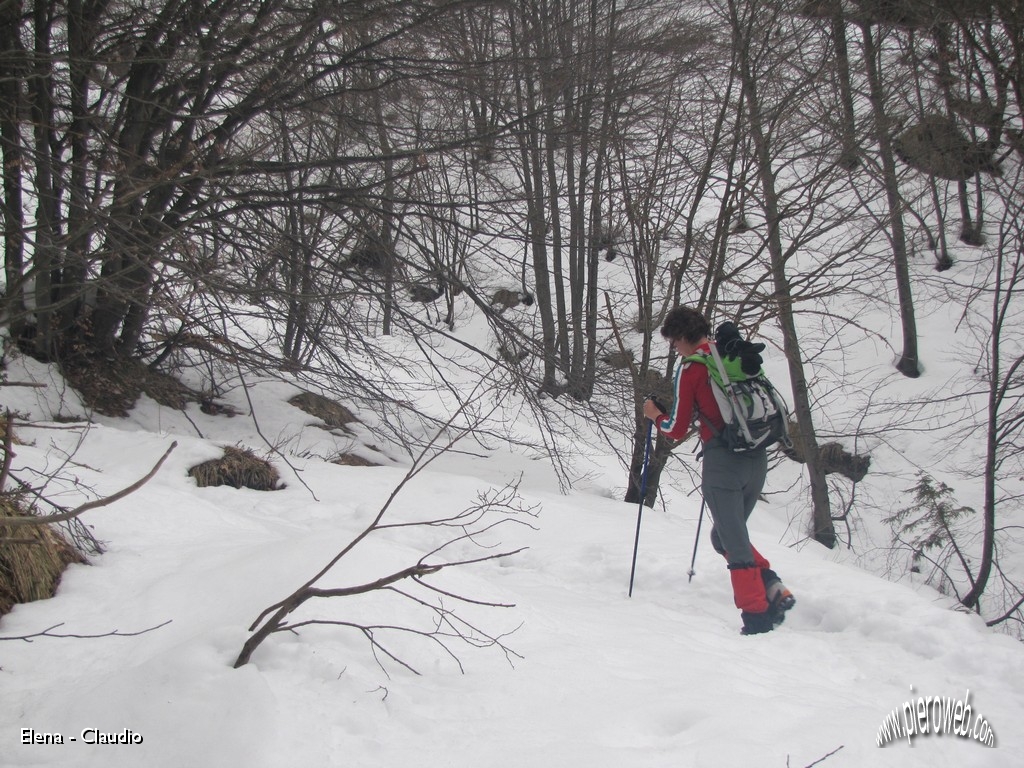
{"points": [[592, 677]]}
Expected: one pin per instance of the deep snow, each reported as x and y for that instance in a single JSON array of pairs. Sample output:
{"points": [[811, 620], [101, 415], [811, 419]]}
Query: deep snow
{"points": [[592, 677]]}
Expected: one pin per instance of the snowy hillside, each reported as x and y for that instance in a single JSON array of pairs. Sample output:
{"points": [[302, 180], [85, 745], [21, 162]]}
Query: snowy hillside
{"points": [[588, 676]]}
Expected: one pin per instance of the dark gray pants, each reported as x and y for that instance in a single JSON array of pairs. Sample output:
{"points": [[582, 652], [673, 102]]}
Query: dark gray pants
{"points": [[731, 483]]}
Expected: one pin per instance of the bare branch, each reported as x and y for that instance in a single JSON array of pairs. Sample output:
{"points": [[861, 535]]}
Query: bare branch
{"points": [[471, 523], [48, 632], [60, 517], [825, 757]]}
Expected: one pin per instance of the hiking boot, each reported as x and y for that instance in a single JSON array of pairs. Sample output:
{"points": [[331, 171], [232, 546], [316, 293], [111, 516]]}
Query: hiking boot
{"points": [[780, 600], [756, 623]]}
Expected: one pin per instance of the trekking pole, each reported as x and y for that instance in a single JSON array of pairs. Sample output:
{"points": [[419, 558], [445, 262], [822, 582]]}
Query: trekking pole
{"points": [[696, 539], [643, 497]]}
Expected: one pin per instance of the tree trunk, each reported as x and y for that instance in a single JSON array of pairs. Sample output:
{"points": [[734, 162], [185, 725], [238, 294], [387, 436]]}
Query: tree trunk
{"points": [[822, 525], [13, 71], [529, 138], [848, 156], [69, 288], [1004, 288], [909, 362], [45, 254]]}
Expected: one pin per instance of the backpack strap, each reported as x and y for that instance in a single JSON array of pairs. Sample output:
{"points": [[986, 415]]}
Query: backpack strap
{"points": [[713, 362], [703, 360]]}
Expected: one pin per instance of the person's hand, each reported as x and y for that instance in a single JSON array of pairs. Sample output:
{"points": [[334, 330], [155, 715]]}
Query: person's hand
{"points": [[652, 410]]}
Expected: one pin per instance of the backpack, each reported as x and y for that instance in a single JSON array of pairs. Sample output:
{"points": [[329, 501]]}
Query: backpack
{"points": [[755, 414]]}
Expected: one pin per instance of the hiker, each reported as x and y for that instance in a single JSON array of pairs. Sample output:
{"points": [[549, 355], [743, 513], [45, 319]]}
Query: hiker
{"points": [[730, 481]]}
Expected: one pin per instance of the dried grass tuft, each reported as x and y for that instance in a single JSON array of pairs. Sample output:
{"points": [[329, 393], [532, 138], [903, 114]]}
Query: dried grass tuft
{"points": [[938, 147], [910, 14], [32, 558], [354, 460], [239, 468], [332, 414], [112, 387]]}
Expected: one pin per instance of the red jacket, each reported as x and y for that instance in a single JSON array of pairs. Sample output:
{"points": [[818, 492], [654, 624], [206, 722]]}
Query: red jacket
{"points": [[693, 393]]}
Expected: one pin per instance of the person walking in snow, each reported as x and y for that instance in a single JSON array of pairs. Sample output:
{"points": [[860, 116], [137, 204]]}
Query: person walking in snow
{"points": [[730, 482]]}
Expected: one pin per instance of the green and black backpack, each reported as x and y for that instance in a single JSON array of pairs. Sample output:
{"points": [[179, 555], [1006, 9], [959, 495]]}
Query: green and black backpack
{"points": [[755, 414]]}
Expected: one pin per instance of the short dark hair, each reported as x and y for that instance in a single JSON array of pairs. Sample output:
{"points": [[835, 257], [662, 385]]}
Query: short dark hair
{"points": [[685, 323]]}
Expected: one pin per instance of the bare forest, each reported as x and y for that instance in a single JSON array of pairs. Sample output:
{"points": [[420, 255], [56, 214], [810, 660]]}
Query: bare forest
{"points": [[280, 188]]}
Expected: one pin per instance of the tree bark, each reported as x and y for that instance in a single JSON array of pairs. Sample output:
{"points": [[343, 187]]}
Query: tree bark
{"points": [[822, 525], [909, 361]]}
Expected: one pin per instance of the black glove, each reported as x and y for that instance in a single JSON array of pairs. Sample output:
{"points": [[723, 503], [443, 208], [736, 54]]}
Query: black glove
{"points": [[750, 358], [728, 339]]}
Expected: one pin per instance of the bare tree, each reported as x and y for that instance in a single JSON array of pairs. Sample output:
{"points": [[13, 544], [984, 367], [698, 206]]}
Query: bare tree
{"points": [[588, 79], [776, 79], [472, 525], [134, 187], [664, 191], [1003, 361], [909, 363]]}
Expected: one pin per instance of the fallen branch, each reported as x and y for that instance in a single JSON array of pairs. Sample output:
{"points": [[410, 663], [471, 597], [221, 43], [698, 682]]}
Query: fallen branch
{"points": [[820, 759], [48, 632], [491, 510]]}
